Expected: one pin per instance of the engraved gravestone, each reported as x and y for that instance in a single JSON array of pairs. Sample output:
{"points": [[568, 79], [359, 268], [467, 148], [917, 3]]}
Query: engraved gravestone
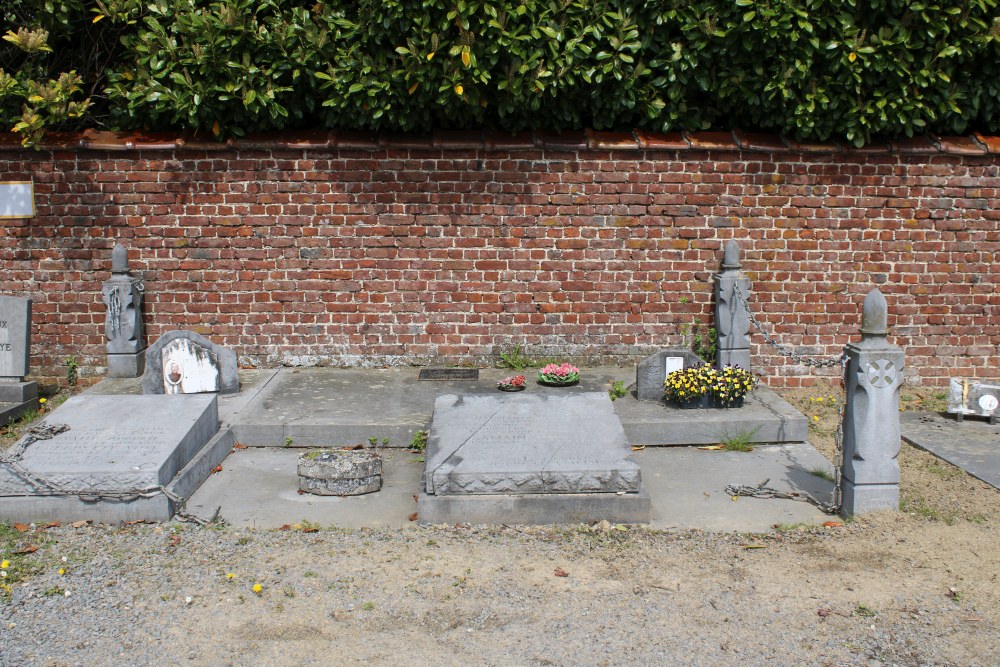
{"points": [[184, 362], [652, 371], [15, 342], [126, 445], [123, 325]]}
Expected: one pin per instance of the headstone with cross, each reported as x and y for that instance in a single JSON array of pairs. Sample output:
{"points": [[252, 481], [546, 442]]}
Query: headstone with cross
{"points": [[873, 377]]}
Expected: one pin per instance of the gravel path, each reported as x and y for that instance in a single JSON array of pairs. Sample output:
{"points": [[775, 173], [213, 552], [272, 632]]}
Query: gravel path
{"points": [[859, 594]]}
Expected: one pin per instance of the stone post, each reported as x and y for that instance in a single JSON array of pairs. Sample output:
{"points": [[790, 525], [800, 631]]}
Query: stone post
{"points": [[15, 355], [123, 324], [732, 323], [873, 377]]}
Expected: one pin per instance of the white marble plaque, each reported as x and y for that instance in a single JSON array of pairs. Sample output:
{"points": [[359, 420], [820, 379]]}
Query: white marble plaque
{"points": [[17, 199], [673, 364], [188, 368]]}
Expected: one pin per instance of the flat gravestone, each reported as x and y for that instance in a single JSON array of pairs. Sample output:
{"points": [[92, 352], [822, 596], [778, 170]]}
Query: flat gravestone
{"points": [[124, 445], [530, 458], [15, 325]]}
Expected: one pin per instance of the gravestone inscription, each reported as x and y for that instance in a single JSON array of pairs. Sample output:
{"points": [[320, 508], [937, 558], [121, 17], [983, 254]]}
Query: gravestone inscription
{"points": [[15, 353]]}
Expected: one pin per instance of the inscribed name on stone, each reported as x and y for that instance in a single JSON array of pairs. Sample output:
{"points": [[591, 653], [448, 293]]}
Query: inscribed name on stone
{"points": [[116, 443], [528, 444], [188, 368], [15, 331]]}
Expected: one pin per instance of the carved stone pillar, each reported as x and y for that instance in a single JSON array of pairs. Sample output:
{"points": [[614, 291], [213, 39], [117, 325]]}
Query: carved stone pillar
{"points": [[873, 377], [732, 323], [123, 324]]}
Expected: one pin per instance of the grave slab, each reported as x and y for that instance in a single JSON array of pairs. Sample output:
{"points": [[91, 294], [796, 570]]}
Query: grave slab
{"points": [[530, 458], [15, 337], [113, 445], [972, 444]]}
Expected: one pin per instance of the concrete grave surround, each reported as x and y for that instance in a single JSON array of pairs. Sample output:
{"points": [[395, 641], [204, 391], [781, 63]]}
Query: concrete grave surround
{"points": [[115, 444], [15, 337], [182, 362], [652, 372]]}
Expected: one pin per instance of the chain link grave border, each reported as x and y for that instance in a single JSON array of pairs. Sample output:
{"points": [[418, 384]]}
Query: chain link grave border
{"points": [[11, 460], [764, 491]]}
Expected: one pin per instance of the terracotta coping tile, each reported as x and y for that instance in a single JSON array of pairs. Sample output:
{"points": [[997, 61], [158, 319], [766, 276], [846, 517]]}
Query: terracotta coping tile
{"points": [[992, 143], [509, 141], [611, 140], [873, 147], [671, 141], [570, 140], [712, 141], [352, 139], [812, 147], [291, 139], [913, 146], [400, 140], [759, 141], [961, 146], [458, 139]]}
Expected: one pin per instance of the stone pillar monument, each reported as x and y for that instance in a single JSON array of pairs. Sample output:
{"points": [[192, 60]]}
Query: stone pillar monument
{"points": [[731, 319], [123, 322], [873, 377], [15, 353]]}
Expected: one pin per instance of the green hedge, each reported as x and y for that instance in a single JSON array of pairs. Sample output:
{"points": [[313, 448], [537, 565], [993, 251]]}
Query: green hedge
{"points": [[811, 69]]}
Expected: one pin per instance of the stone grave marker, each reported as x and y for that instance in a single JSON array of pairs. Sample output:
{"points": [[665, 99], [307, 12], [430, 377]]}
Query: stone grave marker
{"points": [[652, 371], [968, 397], [112, 459], [184, 362], [16, 395], [123, 324], [555, 458]]}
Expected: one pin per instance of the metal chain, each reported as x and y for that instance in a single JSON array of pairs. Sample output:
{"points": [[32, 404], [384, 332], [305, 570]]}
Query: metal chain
{"points": [[780, 347], [762, 490], [11, 460]]}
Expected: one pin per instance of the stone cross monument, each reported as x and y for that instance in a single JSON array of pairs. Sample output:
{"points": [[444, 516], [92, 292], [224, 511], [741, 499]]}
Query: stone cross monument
{"points": [[123, 325], [731, 319], [872, 378]]}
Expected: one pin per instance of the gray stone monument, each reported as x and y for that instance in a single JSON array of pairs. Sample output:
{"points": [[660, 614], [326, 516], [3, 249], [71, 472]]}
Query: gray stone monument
{"points": [[731, 319], [16, 395], [108, 458], [652, 371], [530, 458], [123, 326], [184, 362], [873, 378]]}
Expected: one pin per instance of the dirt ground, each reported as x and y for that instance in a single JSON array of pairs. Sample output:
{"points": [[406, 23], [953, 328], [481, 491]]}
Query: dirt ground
{"points": [[917, 587]]}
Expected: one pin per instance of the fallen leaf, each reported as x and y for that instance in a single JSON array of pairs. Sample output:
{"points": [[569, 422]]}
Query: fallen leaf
{"points": [[20, 527], [216, 469], [351, 448], [51, 524], [239, 446], [137, 521], [413, 517], [301, 492], [638, 448], [832, 524], [175, 540], [713, 448], [286, 526], [754, 546], [823, 612], [80, 524], [30, 549], [561, 572], [310, 529]]}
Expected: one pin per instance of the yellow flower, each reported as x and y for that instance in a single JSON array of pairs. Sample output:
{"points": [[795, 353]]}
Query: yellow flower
{"points": [[815, 418], [459, 89], [62, 571], [230, 576], [43, 401], [4, 565], [257, 588]]}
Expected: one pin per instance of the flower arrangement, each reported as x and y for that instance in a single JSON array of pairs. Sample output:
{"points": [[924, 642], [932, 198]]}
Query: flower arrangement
{"points": [[512, 383], [690, 384], [725, 387], [732, 384], [559, 374]]}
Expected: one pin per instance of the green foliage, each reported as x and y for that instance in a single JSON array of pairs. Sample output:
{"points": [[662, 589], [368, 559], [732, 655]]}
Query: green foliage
{"points": [[811, 69], [617, 390], [514, 359], [705, 343], [419, 442]]}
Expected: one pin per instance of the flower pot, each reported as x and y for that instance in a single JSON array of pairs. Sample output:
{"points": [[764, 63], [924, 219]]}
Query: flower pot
{"points": [[551, 383], [510, 387], [698, 402], [732, 403], [340, 472]]}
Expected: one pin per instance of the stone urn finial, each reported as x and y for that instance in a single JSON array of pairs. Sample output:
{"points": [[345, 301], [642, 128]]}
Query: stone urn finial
{"points": [[874, 315], [119, 259], [731, 256]]}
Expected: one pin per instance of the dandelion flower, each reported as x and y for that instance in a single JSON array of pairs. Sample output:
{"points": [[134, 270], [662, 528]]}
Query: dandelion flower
{"points": [[230, 576], [257, 588], [815, 418], [62, 571], [4, 565], [43, 401]]}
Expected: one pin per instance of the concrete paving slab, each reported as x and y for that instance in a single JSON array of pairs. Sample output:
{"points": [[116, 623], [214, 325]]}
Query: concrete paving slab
{"points": [[258, 487], [972, 444]]}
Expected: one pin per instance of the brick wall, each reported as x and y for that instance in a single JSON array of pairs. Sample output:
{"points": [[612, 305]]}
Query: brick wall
{"points": [[351, 249]]}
